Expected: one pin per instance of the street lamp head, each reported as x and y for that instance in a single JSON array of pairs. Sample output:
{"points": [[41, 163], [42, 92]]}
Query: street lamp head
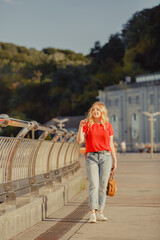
{"points": [[147, 114], [156, 114], [151, 114]]}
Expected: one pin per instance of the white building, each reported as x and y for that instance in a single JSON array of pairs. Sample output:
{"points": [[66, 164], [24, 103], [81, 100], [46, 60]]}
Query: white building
{"points": [[126, 104]]}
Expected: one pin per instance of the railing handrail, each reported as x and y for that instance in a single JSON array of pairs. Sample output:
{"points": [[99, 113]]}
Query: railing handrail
{"points": [[5, 121]]}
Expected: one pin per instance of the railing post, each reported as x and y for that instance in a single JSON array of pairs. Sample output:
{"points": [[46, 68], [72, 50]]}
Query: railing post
{"points": [[71, 140], [75, 156], [47, 176], [31, 170], [63, 138], [8, 185]]}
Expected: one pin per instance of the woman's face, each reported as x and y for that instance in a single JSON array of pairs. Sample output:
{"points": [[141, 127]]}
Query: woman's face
{"points": [[96, 112]]}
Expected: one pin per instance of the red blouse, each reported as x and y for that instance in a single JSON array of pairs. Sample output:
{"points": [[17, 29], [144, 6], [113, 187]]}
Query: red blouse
{"points": [[98, 138]]}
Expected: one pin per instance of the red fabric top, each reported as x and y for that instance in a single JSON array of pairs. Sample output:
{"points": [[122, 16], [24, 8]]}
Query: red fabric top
{"points": [[98, 138]]}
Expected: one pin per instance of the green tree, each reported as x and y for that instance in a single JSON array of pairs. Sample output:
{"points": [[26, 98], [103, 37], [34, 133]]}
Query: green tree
{"points": [[141, 33]]}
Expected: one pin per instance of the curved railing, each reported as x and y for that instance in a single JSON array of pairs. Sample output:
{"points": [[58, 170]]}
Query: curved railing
{"points": [[31, 163]]}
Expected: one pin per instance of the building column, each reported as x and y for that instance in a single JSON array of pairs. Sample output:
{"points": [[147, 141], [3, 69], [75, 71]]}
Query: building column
{"points": [[156, 109]]}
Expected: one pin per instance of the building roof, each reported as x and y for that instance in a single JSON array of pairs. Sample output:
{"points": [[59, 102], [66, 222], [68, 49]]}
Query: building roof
{"points": [[125, 86]]}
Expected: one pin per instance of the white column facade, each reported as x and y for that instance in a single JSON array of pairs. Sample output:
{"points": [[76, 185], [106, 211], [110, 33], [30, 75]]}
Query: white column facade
{"points": [[126, 105]]}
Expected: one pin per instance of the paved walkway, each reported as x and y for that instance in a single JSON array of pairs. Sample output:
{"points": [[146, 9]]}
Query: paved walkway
{"points": [[133, 214]]}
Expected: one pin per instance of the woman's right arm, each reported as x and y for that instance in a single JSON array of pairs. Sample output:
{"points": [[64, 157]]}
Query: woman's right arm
{"points": [[81, 134]]}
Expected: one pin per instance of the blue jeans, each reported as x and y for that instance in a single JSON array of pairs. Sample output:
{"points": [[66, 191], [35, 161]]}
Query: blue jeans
{"points": [[98, 167]]}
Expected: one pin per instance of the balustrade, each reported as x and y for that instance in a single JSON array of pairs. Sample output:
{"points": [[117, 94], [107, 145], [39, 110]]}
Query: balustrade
{"points": [[28, 164]]}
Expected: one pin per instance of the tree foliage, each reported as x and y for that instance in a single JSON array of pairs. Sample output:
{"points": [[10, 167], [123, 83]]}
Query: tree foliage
{"points": [[141, 35]]}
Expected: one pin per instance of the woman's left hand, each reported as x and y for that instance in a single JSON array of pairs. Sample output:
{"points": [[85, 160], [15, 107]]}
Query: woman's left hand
{"points": [[114, 167]]}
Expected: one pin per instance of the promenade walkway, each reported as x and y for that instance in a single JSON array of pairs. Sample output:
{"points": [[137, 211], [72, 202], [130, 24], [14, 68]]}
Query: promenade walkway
{"points": [[133, 214]]}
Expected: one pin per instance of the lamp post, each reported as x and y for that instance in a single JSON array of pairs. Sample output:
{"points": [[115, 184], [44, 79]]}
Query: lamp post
{"points": [[151, 119], [60, 122]]}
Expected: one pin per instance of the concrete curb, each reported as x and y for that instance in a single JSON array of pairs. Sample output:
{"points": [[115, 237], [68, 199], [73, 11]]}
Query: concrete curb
{"points": [[29, 210]]}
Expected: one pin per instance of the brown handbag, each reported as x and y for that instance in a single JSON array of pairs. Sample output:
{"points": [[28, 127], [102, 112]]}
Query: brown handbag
{"points": [[112, 186]]}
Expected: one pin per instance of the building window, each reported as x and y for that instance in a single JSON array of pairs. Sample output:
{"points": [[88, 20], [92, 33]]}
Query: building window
{"points": [[108, 102], [114, 118], [115, 123], [135, 126], [129, 100], [151, 99], [116, 101], [137, 99]]}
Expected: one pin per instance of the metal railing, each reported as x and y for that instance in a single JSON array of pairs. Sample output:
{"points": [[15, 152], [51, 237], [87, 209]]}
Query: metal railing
{"points": [[32, 163]]}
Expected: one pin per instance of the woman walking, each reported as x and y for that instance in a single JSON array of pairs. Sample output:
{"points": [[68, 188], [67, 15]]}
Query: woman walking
{"points": [[97, 132]]}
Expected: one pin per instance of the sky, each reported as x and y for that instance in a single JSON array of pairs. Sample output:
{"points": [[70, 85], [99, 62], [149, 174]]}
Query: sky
{"points": [[65, 24]]}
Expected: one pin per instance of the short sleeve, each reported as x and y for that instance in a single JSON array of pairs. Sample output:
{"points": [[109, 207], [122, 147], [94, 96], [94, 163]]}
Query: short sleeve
{"points": [[111, 132], [85, 128]]}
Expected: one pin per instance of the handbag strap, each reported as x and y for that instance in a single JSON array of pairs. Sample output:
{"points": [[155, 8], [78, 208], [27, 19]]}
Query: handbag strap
{"points": [[111, 175]]}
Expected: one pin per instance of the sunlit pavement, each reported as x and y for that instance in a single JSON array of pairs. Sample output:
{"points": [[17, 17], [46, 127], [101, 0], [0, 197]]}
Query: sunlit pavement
{"points": [[134, 213]]}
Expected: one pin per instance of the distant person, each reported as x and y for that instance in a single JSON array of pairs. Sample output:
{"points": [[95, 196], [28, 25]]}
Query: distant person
{"points": [[98, 134], [123, 147], [148, 147], [142, 147]]}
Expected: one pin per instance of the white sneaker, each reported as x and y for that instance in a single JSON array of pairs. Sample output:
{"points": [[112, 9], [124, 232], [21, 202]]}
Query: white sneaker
{"points": [[101, 217], [92, 218]]}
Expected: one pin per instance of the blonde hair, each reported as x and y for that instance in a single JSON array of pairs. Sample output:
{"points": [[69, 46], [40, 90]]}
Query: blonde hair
{"points": [[104, 116]]}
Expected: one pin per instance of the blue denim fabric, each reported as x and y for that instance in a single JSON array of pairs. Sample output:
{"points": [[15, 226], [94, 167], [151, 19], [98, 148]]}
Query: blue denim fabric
{"points": [[98, 167]]}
